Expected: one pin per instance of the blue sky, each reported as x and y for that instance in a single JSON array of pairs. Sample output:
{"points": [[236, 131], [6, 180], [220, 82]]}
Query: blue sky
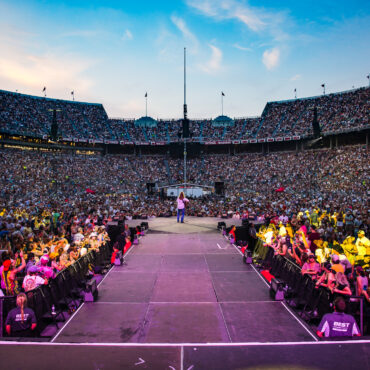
{"points": [[114, 51]]}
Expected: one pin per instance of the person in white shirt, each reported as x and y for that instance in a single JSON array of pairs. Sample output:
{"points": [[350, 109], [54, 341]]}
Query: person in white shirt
{"points": [[32, 280], [181, 204]]}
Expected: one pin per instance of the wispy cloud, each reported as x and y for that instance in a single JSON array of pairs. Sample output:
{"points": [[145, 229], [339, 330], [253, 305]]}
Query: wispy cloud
{"points": [[187, 34], [256, 19], [237, 46], [296, 77], [57, 69], [213, 65], [127, 35], [271, 58]]}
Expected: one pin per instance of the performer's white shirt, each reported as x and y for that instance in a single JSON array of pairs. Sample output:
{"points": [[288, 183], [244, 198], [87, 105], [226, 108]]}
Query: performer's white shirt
{"points": [[181, 203]]}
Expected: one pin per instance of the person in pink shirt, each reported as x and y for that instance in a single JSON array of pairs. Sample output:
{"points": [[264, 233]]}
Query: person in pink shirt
{"points": [[181, 205]]}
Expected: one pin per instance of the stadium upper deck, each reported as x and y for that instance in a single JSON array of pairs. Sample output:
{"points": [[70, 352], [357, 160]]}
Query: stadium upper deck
{"points": [[32, 116]]}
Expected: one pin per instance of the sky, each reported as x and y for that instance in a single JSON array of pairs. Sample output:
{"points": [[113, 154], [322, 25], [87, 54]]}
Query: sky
{"points": [[113, 52]]}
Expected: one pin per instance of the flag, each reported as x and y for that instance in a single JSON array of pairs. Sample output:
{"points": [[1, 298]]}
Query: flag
{"points": [[280, 190], [44, 89], [146, 94], [222, 93], [89, 191]]}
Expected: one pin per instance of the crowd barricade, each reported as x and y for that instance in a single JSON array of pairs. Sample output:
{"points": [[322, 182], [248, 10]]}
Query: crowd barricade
{"points": [[52, 303], [300, 293]]}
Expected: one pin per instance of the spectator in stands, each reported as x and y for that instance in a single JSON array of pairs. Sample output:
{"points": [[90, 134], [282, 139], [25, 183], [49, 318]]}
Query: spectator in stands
{"points": [[312, 237], [9, 282], [311, 267], [362, 283], [21, 321], [128, 244], [341, 285], [338, 323], [336, 265], [32, 280], [327, 279]]}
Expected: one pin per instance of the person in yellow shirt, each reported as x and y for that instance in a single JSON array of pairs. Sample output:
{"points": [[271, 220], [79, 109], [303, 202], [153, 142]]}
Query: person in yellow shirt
{"points": [[336, 265], [362, 243]]}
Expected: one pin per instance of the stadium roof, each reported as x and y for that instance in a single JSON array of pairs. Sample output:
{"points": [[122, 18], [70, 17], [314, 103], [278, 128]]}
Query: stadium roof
{"points": [[146, 122], [223, 121]]}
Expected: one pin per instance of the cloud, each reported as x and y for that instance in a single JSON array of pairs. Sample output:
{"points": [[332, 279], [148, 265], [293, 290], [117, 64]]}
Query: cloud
{"points": [[271, 58], [34, 71], [57, 69], [187, 34], [296, 77], [237, 46], [127, 35], [214, 63], [256, 19]]}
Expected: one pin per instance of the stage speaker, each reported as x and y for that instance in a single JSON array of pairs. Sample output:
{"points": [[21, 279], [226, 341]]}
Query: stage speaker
{"points": [[241, 233], [315, 125], [150, 187], [54, 127], [277, 289], [219, 188], [115, 228]]}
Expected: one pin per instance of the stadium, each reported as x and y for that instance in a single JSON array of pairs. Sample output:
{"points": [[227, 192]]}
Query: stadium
{"points": [[185, 243]]}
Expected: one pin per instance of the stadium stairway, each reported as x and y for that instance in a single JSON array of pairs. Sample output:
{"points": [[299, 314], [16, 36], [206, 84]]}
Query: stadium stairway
{"points": [[259, 127], [91, 128], [240, 136], [144, 133], [113, 135], [74, 128], [298, 119], [167, 133], [201, 131], [278, 125], [224, 132], [170, 180]]}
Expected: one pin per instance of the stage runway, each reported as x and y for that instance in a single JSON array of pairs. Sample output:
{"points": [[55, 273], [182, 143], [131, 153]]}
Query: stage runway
{"points": [[184, 283]]}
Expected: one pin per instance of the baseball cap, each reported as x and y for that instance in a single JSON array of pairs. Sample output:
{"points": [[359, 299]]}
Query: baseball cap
{"points": [[7, 264]]}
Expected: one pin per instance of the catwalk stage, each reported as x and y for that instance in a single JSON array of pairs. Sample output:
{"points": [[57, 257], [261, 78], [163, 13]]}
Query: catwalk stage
{"points": [[185, 300]]}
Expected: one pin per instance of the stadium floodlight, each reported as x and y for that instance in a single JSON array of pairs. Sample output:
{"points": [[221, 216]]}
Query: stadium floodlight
{"points": [[368, 77], [323, 86]]}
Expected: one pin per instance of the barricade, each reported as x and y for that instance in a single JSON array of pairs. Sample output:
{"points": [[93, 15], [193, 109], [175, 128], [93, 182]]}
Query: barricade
{"points": [[64, 293]]}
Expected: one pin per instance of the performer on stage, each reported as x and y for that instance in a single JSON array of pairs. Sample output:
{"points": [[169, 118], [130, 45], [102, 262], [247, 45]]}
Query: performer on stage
{"points": [[181, 204]]}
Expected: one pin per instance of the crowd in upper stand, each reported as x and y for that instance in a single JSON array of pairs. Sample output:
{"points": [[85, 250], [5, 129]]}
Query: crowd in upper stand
{"points": [[27, 115]]}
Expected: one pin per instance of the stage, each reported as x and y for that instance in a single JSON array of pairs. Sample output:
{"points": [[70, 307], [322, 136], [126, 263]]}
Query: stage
{"points": [[185, 300]]}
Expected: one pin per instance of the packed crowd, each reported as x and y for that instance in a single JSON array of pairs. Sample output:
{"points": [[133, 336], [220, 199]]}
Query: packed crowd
{"points": [[330, 179], [341, 111], [54, 205], [27, 115], [337, 263]]}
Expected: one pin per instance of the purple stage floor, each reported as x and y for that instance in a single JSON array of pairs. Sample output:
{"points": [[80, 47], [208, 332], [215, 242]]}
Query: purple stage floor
{"points": [[189, 287]]}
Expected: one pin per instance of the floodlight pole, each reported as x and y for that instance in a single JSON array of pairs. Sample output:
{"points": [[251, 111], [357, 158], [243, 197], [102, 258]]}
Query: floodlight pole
{"points": [[222, 103], [185, 118]]}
